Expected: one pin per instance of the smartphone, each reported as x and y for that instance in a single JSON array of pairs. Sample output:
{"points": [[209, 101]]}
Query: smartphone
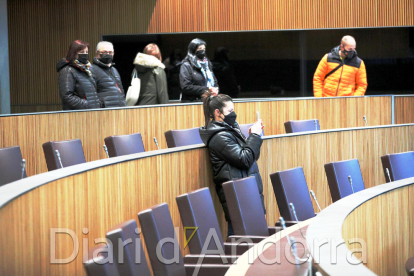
{"points": [[257, 115]]}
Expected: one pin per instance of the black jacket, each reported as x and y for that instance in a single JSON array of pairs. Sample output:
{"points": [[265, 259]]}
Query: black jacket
{"points": [[153, 80], [108, 81], [193, 84], [232, 155], [76, 89]]}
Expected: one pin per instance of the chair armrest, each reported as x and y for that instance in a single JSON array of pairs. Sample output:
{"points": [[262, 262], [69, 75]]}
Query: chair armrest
{"points": [[287, 222], [245, 239], [209, 259], [235, 249], [274, 229], [207, 270]]}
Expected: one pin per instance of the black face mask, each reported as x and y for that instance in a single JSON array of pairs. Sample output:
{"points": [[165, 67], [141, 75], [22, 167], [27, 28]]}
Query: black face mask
{"points": [[230, 118], [348, 54], [83, 58], [201, 54], [106, 59]]}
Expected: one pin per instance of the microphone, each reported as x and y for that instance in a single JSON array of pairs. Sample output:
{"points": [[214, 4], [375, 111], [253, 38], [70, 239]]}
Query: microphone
{"points": [[350, 183], [106, 150], [388, 174], [23, 167], [292, 207], [316, 124], [292, 245], [314, 198], [58, 156], [365, 119], [156, 142]]}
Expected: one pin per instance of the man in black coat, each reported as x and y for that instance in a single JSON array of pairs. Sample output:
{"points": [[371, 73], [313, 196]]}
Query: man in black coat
{"points": [[109, 85]]}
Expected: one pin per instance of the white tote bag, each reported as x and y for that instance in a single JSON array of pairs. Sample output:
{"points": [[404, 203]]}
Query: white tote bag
{"points": [[133, 91]]}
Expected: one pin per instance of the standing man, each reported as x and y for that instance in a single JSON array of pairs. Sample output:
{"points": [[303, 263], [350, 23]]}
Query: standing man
{"points": [[341, 72], [109, 85]]}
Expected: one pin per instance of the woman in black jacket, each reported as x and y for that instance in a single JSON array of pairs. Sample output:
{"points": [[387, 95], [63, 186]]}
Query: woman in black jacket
{"points": [[77, 88], [232, 154], [196, 73]]}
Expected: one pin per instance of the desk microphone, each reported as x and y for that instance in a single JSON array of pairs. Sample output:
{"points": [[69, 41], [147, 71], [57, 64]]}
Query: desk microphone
{"points": [[365, 119], [58, 156], [316, 124], [388, 174], [106, 150], [314, 198], [350, 183], [292, 207], [23, 167], [156, 142]]}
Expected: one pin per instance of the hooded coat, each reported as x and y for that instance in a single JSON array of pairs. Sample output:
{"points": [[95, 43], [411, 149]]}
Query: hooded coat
{"points": [[350, 79], [108, 81], [153, 80], [192, 81], [76, 89], [232, 156]]}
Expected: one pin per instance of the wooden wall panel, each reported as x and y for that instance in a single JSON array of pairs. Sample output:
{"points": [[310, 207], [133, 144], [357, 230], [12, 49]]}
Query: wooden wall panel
{"points": [[404, 109], [386, 224], [103, 197], [40, 31], [31, 131]]}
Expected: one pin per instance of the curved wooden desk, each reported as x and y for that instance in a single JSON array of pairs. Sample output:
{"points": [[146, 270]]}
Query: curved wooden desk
{"points": [[270, 257], [98, 195], [381, 217]]}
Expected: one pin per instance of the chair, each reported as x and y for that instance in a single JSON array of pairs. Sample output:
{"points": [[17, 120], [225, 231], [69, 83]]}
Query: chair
{"points": [[338, 174], [245, 129], [197, 211], [128, 265], [124, 144], [409, 266], [290, 187], [98, 265], [183, 137], [11, 165], [157, 227], [71, 153], [245, 208], [302, 125], [399, 165]]}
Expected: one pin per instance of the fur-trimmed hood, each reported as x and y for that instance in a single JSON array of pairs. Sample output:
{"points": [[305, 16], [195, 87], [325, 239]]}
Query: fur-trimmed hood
{"points": [[148, 61]]}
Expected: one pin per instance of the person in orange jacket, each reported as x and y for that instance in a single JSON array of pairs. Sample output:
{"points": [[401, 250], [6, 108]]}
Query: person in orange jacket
{"points": [[341, 72]]}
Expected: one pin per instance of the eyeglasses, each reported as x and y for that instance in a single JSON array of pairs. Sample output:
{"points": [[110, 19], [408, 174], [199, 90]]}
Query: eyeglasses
{"points": [[106, 53]]}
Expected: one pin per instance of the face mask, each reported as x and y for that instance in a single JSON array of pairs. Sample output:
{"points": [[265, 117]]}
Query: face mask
{"points": [[201, 54], [106, 59], [83, 58], [348, 54], [230, 118]]}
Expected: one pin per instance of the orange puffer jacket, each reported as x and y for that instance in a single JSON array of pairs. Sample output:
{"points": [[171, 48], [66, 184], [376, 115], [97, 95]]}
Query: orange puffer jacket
{"points": [[350, 79]]}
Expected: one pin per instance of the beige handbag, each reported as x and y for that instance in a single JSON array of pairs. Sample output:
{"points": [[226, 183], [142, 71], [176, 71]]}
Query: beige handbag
{"points": [[132, 95]]}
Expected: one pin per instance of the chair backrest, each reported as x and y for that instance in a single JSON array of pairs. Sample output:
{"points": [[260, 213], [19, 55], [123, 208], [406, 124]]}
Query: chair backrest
{"points": [[245, 129], [183, 137], [245, 207], [197, 210], [10, 165], [157, 226], [400, 165], [97, 263], [132, 261], [71, 153], [124, 144], [337, 174], [290, 187], [302, 125]]}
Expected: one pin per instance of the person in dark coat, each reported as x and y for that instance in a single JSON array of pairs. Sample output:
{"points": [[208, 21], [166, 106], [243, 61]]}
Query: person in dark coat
{"points": [[77, 88], [151, 72], [232, 155], [196, 73], [224, 73], [172, 69], [110, 89]]}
